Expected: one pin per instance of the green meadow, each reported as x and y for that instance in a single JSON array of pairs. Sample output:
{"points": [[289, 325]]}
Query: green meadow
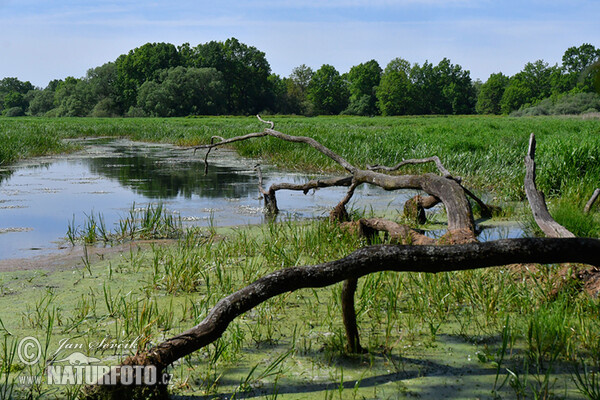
{"points": [[497, 333]]}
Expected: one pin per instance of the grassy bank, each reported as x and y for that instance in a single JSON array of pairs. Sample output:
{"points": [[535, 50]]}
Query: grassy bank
{"points": [[495, 333]]}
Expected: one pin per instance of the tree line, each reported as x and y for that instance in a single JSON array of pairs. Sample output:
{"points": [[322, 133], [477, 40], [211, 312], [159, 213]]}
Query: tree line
{"points": [[230, 77]]}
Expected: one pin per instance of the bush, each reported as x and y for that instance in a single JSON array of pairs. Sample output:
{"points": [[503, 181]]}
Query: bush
{"points": [[568, 104], [135, 112], [14, 112]]}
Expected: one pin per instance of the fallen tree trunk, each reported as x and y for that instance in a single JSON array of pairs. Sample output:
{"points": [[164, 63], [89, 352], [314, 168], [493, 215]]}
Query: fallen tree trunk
{"points": [[450, 192], [401, 234], [361, 262]]}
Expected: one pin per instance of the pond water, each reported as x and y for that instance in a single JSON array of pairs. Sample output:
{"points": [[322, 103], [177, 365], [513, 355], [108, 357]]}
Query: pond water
{"points": [[39, 198]]}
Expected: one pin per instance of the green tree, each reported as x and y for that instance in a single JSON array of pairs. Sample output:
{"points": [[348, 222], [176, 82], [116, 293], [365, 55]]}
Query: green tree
{"points": [[140, 65], [490, 94], [363, 80], [41, 102], [327, 91], [579, 59], [424, 91], [529, 86], [457, 94], [74, 98], [12, 94], [102, 84], [297, 87], [282, 99], [577, 63], [245, 73], [182, 91], [394, 90]]}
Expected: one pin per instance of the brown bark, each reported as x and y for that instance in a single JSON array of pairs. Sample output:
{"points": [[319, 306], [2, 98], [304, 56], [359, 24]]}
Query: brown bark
{"points": [[414, 208], [536, 198], [349, 315], [270, 197], [591, 201], [448, 191], [401, 234], [339, 213], [361, 262], [435, 159]]}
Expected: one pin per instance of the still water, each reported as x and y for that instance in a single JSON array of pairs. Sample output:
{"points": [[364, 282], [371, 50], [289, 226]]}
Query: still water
{"points": [[39, 198]]}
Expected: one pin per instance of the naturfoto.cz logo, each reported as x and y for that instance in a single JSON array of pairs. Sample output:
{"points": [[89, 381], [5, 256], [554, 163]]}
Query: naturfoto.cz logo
{"points": [[79, 369]]}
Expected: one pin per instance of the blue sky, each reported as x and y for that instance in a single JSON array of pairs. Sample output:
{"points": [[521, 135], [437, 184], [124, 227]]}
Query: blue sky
{"points": [[42, 40]]}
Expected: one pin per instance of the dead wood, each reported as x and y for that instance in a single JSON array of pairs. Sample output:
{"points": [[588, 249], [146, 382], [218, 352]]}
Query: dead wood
{"points": [[448, 190], [418, 213], [591, 201], [270, 198], [367, 260], [402, 234], [349, 315], [536, 199], [414, 208], [412, 161]]}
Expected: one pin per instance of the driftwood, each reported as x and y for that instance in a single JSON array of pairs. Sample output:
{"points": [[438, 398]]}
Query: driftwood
{"points": [[412, 161], [270, 198], [542, 217], [367, 260], [415, 208], [446, 188], [591, 201]]}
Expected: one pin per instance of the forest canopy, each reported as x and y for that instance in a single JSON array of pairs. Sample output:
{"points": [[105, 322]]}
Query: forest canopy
{"points": [[232, 78]]}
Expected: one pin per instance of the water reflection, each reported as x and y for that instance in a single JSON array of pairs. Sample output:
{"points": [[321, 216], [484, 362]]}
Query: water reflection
{"points": [[39, 198], [158, 178]]}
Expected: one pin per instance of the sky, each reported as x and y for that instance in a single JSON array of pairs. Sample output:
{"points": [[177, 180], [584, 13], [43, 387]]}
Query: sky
{"points": [[41, 40]]}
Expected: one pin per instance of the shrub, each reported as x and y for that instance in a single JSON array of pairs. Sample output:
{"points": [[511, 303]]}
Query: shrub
{"points": [[14, 112]]}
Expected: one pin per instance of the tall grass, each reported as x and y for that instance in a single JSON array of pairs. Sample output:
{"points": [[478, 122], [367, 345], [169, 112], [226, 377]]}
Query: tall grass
{"points": [[488, 151]]}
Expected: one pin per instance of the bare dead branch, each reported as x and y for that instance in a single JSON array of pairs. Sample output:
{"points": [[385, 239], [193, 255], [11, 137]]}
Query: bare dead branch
{"points": [[445, 173], [212, 139], [349, 315], [591, 201], [266, 122], [486, 209], [270, 198], [367, 260], [339, 212], [536, 198], [448, 191], [414, 208], [294, 139]]}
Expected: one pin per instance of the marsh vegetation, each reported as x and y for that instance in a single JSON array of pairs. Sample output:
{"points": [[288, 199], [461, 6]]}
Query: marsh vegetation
{"points": [[490, 333]]}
